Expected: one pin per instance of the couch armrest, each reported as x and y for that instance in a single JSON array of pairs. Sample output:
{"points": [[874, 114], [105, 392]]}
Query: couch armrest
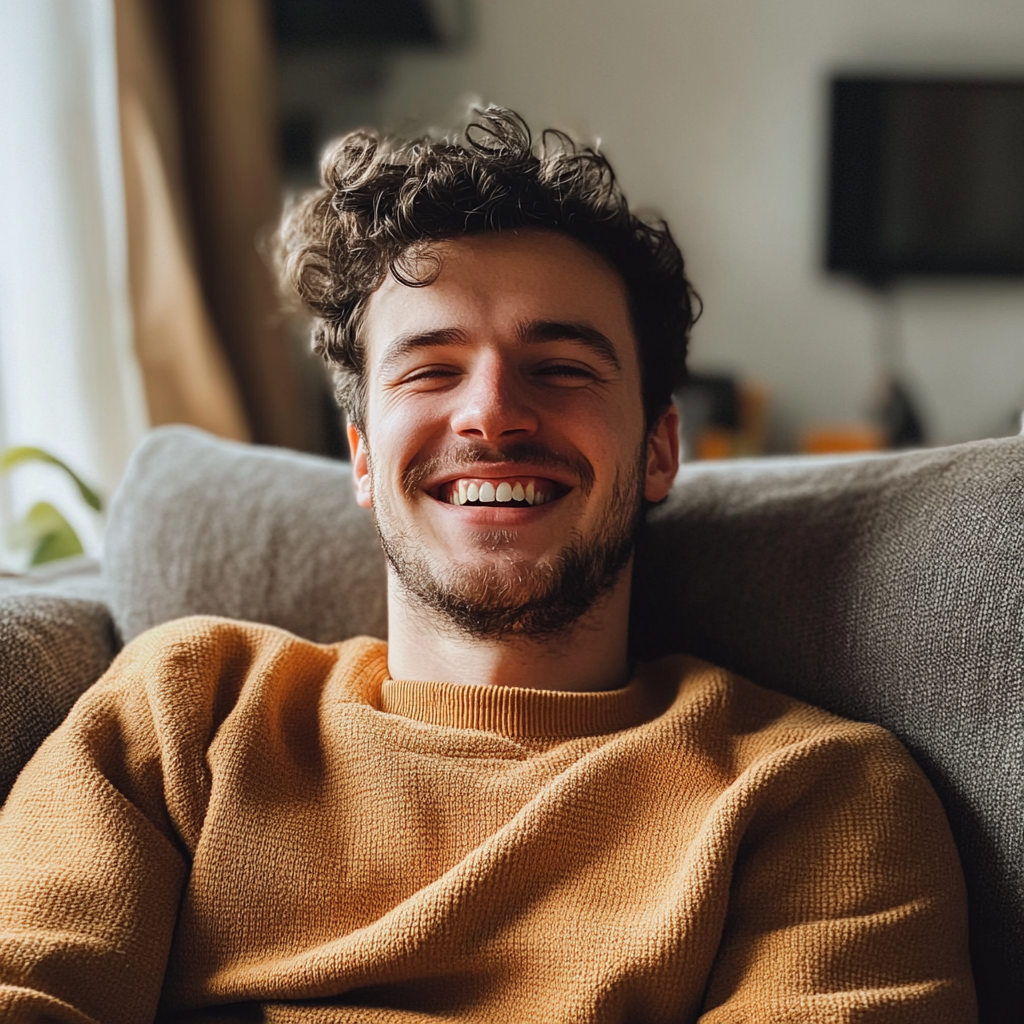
{"points": [[51, 649]]}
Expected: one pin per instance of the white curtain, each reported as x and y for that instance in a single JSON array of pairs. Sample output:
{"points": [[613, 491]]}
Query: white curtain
{"points": [[69, 379]]}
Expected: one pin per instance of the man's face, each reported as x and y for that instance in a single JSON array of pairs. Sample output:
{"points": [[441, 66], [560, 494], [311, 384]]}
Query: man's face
{"points": [[505, 455]]}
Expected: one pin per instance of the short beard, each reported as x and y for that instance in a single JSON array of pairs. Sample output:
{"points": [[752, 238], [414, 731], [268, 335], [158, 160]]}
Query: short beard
{"points": [[519, 598]]}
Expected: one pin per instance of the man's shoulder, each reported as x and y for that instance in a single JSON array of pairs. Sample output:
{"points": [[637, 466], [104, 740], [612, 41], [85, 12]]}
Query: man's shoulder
{"points": [[762, 727], [212, 635], [208, 654]]}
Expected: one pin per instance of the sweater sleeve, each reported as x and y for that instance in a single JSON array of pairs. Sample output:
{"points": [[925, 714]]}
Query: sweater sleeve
{"points": [[94, 851], [847, 902]]}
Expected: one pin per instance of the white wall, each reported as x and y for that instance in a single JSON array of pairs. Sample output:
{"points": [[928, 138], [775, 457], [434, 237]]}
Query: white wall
{"points": [[713, 112]]}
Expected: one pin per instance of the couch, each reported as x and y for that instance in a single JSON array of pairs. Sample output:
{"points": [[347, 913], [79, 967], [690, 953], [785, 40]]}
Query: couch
{"points": [[888, 589]]}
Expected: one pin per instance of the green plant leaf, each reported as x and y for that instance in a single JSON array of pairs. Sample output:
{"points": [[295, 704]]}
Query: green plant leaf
{"points": [[47, 533], [26, 453]]}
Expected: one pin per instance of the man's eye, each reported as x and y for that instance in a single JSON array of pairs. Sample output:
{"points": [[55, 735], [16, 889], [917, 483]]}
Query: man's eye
{"points": [[430, 373], [569, 372]]}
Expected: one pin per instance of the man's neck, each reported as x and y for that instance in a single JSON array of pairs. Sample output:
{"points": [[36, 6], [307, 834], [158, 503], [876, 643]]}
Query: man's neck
{"points": [[590, 656]]}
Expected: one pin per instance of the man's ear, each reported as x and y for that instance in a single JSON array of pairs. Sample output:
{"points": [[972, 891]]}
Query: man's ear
{"points": [[662, 455], [360, 467]]}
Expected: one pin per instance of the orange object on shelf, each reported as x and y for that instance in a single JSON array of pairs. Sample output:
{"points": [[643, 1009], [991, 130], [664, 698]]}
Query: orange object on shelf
{"points": [[829, 439], [753, 419], [715, 443]]}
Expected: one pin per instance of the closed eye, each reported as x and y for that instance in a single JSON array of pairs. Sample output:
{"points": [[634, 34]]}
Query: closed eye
{"points": [[569, 373], [427, 374]]}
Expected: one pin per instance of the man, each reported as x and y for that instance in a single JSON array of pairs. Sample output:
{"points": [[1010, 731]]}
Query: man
{"points": [[495, 816]]}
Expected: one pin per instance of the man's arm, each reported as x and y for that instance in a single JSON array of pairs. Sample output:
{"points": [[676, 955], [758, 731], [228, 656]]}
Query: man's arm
{"points": [[848, 901], [91, 863]]}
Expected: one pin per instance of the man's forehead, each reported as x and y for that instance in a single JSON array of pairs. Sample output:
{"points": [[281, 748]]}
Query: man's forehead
{"points": [[507, 280]]}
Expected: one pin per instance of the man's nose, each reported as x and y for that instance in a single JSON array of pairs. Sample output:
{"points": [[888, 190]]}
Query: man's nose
{"points": [[493, 405]]}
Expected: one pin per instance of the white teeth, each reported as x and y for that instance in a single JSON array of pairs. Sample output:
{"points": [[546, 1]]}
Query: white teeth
{"points": [[502, 492]]}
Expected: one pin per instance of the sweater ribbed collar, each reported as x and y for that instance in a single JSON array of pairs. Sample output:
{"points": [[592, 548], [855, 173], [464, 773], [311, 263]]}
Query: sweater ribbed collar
{"points": [[514, 712]]}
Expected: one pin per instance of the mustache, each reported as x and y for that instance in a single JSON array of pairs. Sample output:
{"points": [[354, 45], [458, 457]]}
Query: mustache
{"points": [[455, 457]]}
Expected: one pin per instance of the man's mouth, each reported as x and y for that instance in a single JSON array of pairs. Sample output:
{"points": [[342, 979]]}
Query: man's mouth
{"points": [[507, 492]]}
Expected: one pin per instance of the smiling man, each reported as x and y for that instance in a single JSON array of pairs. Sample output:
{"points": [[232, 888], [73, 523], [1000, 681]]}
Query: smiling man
{"points": [[496, 816], [510, 457]]}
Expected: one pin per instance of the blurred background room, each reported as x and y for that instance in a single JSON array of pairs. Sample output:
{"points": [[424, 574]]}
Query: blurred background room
{"points": [[146, 148]]}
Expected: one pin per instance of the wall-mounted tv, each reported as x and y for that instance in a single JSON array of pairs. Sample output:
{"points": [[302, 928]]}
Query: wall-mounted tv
{"points": [[926, 177]]}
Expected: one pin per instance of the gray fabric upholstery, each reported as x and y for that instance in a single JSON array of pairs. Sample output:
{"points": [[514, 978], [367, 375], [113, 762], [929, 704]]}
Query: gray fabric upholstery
{"points": [[201, 525], [888, 590], [53, 648], [80, 577]]}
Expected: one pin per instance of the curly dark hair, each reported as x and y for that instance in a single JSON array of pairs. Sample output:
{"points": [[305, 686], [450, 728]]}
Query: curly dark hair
{"points": [[384, 198]]}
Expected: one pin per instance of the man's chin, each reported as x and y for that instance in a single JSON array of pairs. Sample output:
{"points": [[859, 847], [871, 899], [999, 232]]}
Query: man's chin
{"points": [[492, 613], [505, 598], [492, 595]]}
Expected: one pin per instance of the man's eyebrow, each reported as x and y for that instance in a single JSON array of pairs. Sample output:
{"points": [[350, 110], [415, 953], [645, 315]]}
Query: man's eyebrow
{"points": [[401, 346], [527, 332], [570, 330]]}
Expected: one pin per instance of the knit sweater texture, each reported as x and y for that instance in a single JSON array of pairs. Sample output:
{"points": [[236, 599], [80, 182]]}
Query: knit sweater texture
{"points": [[238, 825]]}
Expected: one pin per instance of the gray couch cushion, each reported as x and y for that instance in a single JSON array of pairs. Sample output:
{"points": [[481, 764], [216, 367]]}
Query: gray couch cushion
{"points": [[201, 525], [888, 590], [52, 649]]}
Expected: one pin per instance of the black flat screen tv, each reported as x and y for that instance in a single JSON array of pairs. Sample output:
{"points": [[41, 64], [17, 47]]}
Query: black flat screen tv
{"points": [[926, 177]]}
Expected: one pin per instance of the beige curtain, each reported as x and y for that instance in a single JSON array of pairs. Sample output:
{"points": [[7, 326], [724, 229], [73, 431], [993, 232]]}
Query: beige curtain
{"points": [[201, 186]]}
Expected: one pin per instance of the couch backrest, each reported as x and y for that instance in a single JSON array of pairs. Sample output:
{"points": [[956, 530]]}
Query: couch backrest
{"points": [[888, 589], [205, 526]]}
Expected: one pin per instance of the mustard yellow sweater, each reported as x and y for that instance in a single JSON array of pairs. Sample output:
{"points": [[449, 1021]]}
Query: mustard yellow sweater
{"points": [[238, 825]]}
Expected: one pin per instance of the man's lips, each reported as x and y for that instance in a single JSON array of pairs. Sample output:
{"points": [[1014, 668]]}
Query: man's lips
{"points": [[507, 492], [500, 492], [553, 474]]}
